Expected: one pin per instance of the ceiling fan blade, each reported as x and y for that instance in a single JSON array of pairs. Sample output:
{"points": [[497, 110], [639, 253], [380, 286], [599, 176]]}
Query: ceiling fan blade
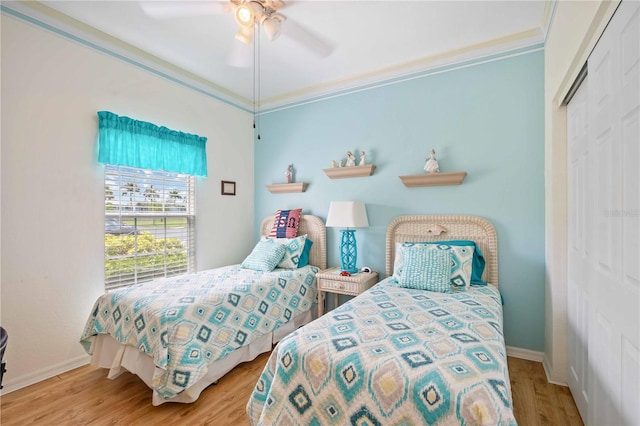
{"points": [[182, 9], [241, 55], [306, 38]]}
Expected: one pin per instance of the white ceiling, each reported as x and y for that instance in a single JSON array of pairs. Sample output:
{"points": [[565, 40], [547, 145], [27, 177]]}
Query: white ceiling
{"points": [[372, 41]]}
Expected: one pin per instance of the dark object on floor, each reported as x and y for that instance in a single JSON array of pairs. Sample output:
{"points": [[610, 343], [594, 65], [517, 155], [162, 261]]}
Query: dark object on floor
{"points": [[3, 345]]}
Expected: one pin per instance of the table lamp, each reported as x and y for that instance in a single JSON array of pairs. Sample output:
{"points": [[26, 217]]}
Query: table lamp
{"points": [[348, 214]]}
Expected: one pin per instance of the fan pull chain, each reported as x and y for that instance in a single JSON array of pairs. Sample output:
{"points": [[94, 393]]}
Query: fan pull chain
{"points": [[256, 78]]}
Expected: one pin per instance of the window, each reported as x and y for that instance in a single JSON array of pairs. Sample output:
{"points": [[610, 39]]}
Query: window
{"points": [[149, 227]]}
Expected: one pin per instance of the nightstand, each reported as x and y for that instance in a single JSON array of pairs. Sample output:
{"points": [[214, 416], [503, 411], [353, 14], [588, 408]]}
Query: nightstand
{"points": [[331, 281]]}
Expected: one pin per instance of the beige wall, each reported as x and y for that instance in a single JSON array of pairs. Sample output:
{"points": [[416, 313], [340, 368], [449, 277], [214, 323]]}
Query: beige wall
{"points": [[574, 31], [52, 186]]}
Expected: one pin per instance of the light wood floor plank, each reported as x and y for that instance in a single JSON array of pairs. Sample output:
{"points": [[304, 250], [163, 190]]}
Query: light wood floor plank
{"points": [[85, 396]]}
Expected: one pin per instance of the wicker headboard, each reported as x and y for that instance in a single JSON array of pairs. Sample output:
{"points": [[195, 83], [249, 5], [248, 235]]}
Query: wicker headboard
{"points": [[446, 227], [314, 227]]}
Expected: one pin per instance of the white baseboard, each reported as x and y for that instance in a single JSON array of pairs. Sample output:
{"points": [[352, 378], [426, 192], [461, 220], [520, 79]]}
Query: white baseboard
{"points": [[46, 373], [525, 354], [548, 371]]}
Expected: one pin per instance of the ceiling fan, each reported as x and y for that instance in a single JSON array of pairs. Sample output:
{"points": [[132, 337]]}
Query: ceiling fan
{"points": [[248, 14]]}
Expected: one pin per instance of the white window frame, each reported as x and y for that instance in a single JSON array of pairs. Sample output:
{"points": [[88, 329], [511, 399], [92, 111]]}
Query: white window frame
{"points": [[162, 198]]}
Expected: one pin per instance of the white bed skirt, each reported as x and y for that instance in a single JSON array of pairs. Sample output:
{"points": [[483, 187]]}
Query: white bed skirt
{"points": [[118, 358]]}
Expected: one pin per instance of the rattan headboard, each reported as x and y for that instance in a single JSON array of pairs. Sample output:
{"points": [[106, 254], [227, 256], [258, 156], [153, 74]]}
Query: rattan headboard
{"points": [[446, 227], [314, 227]]}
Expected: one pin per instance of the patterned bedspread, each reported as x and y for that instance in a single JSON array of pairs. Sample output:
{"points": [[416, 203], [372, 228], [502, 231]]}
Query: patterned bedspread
{"points": [[392, 356], [189, 321]]}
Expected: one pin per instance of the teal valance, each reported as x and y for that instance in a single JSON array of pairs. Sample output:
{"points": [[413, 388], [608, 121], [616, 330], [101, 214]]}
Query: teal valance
{"points": [[127, 142]]}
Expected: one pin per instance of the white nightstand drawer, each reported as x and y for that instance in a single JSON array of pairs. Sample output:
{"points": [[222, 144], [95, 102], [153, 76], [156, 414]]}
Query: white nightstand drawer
{"points": [[342, 286], [331, 281]]}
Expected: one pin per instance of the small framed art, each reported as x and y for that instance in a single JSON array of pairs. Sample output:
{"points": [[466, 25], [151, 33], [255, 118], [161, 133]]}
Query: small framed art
{"points": [[228, 187]]}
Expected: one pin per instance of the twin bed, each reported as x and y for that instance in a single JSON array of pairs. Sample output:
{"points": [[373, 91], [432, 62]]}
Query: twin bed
{"points": [[393, 355], [181, 334]]}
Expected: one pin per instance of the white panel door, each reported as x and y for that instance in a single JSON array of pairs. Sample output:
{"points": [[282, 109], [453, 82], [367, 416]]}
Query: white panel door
{"points": [[604, 228], [579, 214], [613, 223]]}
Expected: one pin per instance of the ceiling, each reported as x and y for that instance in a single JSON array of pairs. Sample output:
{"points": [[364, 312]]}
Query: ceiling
{"points": [[370, 41]]}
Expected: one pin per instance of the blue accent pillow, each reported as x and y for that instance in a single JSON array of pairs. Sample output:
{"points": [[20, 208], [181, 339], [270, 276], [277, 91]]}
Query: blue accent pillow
{"points": [[426, 269], [304, 258], [264, 256]]}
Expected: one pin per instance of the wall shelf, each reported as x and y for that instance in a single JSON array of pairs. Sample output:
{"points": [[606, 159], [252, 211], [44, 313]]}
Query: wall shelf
{"points": [[281, 188], [349, 171], [433, 179]]}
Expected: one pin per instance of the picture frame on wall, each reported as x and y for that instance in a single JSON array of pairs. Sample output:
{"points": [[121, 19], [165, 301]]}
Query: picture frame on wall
{"points": [[228, 187]]}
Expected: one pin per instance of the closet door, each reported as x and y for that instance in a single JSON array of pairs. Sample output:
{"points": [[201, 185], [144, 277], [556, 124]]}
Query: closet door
{"points": [[579, 215], [613, 225], [604, 228]]}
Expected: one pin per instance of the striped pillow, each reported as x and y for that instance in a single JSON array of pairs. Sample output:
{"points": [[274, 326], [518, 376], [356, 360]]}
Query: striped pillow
{"points": [[286, 224]]}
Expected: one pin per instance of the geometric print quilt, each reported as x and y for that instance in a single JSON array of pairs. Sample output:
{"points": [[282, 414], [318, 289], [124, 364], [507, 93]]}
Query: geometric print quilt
{"points": [[392, 356], [187, 322]]}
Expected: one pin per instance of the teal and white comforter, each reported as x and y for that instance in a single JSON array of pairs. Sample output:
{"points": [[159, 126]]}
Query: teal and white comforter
{"points": [[190, 321], [392, 356]]}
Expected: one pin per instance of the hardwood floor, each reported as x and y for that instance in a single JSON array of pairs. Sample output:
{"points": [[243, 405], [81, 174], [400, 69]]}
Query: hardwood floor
{"points": [[85, 396]]}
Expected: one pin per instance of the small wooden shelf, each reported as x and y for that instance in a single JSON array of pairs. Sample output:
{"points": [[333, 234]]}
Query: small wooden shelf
{"points": [[281, 188], [349, 171], [433, 179]]}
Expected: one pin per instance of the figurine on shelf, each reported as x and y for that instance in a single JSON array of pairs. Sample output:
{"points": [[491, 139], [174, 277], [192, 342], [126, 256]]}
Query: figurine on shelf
{"points": [[362, 155], [431, 166], [333, 164], [351, 159], [340, 163], [289, 173]]}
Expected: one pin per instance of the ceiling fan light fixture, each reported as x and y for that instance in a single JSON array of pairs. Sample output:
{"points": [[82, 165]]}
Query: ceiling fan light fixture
{"points": [[247, 13], [244, 15], [245, 34], [271, 25]]}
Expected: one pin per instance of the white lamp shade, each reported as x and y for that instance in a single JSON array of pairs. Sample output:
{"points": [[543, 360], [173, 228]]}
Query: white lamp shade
{"points": [[347, 214]]}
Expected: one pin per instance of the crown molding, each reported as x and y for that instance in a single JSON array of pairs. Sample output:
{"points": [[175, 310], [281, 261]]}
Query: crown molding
{"points": [[47, 18]]}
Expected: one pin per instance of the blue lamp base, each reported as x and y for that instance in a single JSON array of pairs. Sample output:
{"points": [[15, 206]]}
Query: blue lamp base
{"points": [[348, 251]]}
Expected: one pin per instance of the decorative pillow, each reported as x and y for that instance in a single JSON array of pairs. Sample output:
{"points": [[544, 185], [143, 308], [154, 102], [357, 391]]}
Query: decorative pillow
{"points": [[296, 253], [264, 256], [304, 258], [286, 224], [293, 251], [477, 267], [426, 269], [461, 262]]}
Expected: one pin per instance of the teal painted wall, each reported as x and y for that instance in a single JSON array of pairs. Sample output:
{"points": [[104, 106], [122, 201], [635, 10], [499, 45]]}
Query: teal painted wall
{"points": [[485, 119]]}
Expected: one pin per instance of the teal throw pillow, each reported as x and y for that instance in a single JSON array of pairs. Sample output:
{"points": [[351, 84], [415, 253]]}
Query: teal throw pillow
{"points": [[461, 262], [264, 256], [304, 258], [426, 269]]}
